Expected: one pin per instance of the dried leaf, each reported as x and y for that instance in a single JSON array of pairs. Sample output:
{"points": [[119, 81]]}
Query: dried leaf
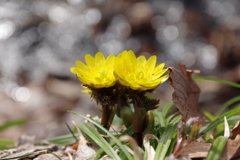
{"points": [[232, 149], [236, 130], [186, 91], [196, 150]]}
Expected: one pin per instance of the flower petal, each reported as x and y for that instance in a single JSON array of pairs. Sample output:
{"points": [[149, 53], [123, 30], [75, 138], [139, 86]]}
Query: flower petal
{"points": [[159, 67], [99, 57], [90, 61], [142, 60], [131, 56], [74, 70], [151, 62], [110, 58], [159, 73], [81, 65], [164, 78]]}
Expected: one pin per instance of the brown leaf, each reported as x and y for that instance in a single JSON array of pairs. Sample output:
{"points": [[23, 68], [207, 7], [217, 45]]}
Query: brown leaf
{"points": [[186, 91], [196, 150], [232, 149], [235, 130]]}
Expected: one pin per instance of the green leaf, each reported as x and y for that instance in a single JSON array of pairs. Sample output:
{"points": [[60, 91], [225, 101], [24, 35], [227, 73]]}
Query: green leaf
{"points": [[217, 148], [99, 140], [220, 119], [12, 123], [119, 143], [227, 104], [236, 85], [166, 139], [6, 144], [175, 120], [162, 150], [208, 115], [159, 119], [166, 109], [63, 140]]}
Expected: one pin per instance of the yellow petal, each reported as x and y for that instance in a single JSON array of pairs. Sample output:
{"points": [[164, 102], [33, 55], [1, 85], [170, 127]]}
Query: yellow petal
{"points": [[131, 56], [159, 67], [99, 57], [81, 65], [87, 91], [110, 59], [164, 78], [74, 70], [90, 61], [159, 73], [151, 62], [142, 60]]}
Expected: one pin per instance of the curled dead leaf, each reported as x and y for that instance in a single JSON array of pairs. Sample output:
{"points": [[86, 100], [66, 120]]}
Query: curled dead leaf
{"points": [[186, 91], [235, 131], [232, 149]]}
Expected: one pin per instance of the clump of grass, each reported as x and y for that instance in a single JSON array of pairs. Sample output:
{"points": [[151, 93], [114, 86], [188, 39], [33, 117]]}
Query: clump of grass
{"points": [[161, 132], [165, 130]]}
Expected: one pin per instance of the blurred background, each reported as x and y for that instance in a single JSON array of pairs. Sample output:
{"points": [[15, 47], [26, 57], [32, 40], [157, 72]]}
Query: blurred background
{"points": [[41, 39]]}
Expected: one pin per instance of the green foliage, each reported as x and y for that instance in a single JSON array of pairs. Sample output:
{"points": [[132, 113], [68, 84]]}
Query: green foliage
{"points": [[164, 128], [5, 144], [12, 123]]}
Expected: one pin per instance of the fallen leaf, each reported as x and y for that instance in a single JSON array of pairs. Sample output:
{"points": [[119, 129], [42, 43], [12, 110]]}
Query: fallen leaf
{"points": [[196, 150], [235, 131], [186, 91], [232, 149]]}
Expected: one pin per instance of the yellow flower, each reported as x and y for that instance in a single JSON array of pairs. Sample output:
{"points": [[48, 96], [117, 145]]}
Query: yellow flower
{"points": [[139, 73], [98, 71]]}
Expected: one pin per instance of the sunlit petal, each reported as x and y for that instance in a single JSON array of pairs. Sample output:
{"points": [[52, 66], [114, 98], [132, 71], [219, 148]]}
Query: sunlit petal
{"points": [[159, 73], [74, 70], [99, 57], [159, 67], [138, 73], [90, 61], [80, 64], [151, 62], [98, 71], [141, 60]]}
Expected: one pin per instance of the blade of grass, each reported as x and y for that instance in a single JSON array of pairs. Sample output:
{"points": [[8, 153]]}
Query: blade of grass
{"points": [[165, 142], [99, 140], [220, 119], [100, 151], [217, 148], [63, 140], [209, 115], [166, 109], [175, 120], [107, 132], [217, 80], [128, 131], [158, 118], [71, 132], [12, 123], [226, 104], [219, 144], [6, 144], [170, 117], [165, 149]]}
